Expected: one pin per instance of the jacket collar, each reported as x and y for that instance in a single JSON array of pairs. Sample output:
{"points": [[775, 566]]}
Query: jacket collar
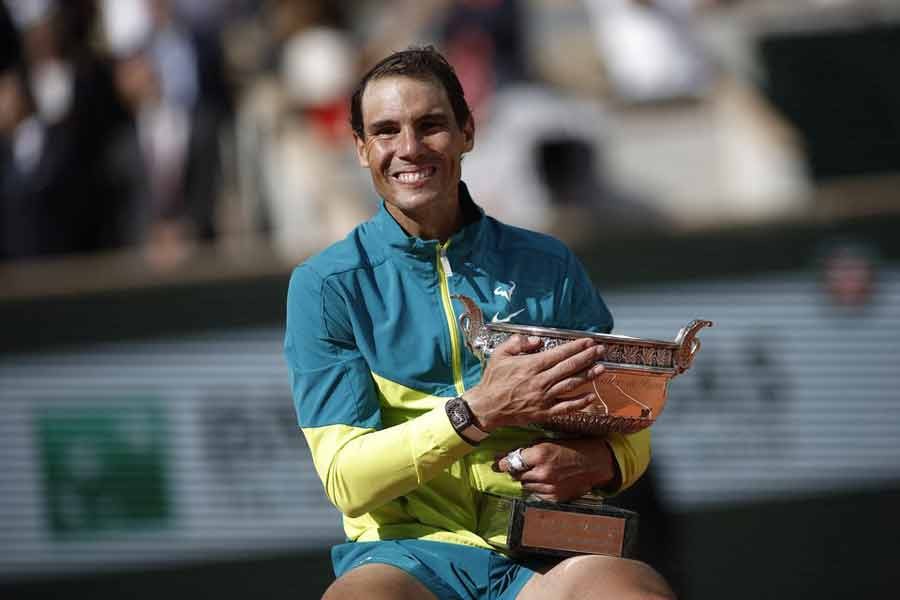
{"points": [[460, 244]]}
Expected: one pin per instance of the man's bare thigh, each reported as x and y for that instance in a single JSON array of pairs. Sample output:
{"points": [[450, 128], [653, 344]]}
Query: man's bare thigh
{"points": [[597, 578], [377, 582]]}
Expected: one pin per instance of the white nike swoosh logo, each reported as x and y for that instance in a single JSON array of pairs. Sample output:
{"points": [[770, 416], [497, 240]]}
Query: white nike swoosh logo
{"points": [[496, 319]]}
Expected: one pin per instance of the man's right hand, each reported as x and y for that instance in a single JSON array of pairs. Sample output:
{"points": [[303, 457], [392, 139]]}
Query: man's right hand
{"points": [[521, 387]]}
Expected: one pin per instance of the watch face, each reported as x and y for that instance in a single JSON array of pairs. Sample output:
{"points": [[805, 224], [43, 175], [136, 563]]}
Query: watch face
{"points": [[458, 414]]}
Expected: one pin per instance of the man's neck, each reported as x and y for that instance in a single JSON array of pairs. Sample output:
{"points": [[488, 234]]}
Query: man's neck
{"points": [[438, 223]]}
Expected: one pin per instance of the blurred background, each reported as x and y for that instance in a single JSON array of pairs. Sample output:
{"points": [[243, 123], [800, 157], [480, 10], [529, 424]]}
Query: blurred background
{"points": [[165, 163]]}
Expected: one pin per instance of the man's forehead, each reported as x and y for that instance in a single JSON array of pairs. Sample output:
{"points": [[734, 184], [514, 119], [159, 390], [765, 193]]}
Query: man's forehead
{"points": [[403, 92]]}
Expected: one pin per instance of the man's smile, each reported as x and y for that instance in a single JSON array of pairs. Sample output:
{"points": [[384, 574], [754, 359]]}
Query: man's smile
{"points": [[413, 176]]}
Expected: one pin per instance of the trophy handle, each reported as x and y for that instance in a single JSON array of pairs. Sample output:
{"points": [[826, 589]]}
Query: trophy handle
{"points": [[688, 344], [472, 324]]}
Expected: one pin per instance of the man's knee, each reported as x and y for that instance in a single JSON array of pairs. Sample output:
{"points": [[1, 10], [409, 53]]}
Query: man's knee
{"points": [[600, 577], [632, 579], [376, 582], [647, 583]]}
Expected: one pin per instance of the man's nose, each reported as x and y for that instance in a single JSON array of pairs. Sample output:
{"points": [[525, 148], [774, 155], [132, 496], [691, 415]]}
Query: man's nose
{"points": [[409, 143]]}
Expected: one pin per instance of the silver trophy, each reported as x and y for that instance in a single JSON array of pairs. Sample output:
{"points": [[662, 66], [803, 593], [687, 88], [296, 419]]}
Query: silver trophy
{"points": [[628, 396], [631, 392]]}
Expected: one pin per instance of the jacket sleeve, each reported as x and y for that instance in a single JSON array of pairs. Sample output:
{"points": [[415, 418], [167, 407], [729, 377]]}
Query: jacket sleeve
{"points": [[361, 463], [590, 313]]}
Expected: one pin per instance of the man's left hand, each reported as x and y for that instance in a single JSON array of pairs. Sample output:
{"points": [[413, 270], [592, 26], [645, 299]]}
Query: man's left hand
{"points": [[561, 470]]}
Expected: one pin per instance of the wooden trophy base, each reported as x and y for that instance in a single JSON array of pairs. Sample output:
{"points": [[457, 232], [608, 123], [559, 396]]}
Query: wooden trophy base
{"points": [[581, 526]]}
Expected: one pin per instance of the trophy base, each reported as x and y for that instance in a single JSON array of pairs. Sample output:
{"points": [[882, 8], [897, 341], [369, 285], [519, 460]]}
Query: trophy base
{"points": [[581, 526]]}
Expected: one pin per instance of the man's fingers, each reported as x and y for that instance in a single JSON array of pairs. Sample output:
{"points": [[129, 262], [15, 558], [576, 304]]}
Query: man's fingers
{"points": [[551, 358], [569, 405], [583, 360], [546, 491], [570, 384], [517, 344], [504, 467]]}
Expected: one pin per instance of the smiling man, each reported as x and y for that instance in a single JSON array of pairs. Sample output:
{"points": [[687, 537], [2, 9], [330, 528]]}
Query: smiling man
{"points": [[412, 144], [404, 425]]}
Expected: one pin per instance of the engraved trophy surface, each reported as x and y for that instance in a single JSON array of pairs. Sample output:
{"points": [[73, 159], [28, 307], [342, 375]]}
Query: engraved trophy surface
{"points": [[628, 396]]}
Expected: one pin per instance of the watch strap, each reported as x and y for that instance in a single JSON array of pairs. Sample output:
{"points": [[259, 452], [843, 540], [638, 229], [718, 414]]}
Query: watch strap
{"points": [[463, 420]]}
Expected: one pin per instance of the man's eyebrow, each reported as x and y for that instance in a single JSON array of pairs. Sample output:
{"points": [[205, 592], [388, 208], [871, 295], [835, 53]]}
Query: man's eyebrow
{"points": [[376, 125], [435, 115]]}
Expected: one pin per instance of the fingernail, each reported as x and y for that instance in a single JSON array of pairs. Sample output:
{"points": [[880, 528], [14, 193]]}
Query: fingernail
{"points": [[533, 339]]}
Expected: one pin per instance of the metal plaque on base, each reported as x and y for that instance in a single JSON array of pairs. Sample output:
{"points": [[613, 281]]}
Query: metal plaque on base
{"points": [[563, 529]]}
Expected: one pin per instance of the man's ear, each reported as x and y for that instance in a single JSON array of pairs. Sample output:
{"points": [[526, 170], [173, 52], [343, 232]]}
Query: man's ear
{"points": [[361, 153], [469, 133]]}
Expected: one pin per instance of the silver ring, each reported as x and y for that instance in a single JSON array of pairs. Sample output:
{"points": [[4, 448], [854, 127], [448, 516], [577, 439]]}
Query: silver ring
{"points": [[517, 464]]}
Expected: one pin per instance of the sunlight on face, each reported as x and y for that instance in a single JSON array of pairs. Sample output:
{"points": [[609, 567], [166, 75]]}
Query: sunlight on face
{"points": [[413, 148]]}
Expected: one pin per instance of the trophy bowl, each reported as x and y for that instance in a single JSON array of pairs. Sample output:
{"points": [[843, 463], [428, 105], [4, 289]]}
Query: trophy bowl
{"points": [[631, 392]]}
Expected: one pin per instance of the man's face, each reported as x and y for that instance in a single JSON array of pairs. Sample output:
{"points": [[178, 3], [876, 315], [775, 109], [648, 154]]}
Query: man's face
{"points": [[413, 147]]}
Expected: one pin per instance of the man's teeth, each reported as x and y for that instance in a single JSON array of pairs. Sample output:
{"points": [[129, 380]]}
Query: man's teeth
{"points": [[415, 176]]}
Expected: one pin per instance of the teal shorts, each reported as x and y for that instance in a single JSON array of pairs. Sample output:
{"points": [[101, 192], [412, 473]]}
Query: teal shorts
{"points": [[450, 571]]}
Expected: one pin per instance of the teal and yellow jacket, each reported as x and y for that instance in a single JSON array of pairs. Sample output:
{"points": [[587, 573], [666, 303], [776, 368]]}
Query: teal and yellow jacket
{"points": [[374, 350]]}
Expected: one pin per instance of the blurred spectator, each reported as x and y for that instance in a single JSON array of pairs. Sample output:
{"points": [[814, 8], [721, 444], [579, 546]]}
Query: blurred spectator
{"points": [[51, 195], [384, 26], [209, 15], [300, 179], [70, 83], [187, 55], [289, 17], [26, 217], [484, 42], [849, 272], [254, 41], [197, 36], [50, 70], [649, 48], [164, 163]]}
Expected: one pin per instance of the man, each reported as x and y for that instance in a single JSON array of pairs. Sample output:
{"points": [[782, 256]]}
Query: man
{"points": [[377, 364]]}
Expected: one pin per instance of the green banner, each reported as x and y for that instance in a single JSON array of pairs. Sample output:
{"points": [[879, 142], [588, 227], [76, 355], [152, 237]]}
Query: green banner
{"points": [[104, 466]]}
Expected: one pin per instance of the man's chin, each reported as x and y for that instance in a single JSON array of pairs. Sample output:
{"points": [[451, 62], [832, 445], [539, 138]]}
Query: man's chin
{"points": [[413, 200]]}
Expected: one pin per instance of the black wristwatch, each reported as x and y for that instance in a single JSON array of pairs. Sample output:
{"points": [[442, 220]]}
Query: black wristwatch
{"points": [[463, 421]]}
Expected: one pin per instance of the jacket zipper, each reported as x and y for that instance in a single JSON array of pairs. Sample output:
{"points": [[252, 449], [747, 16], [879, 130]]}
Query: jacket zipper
{"points": [[444, 272]]}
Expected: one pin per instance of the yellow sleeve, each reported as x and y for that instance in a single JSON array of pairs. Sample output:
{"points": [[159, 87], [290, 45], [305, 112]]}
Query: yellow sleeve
{"points": [[632, 452], [363, 468]]}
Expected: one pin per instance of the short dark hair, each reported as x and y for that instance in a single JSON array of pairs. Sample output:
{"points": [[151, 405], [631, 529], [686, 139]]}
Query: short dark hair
{"points": [[418, 62]]}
